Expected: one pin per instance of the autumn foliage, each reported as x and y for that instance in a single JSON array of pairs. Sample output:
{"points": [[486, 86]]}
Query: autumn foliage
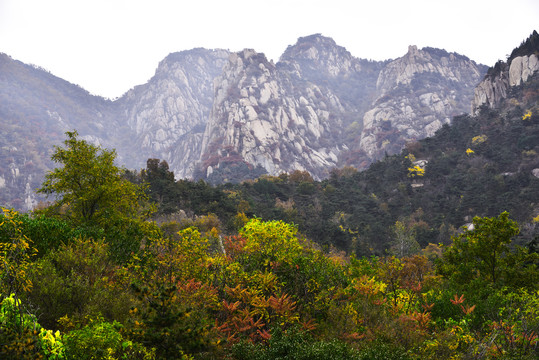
{"points": [[265, 288], [189, 290]]}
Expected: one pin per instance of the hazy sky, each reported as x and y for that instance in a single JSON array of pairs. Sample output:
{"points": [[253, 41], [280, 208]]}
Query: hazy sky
{"points": [[109, 46]]}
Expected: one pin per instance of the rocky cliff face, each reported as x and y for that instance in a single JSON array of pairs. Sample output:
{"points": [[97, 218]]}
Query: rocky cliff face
{"points": [[520, 66], [260, 117], [416, 95], [494, 87], [319, 60], [319, 107], [295, 115], [170, 112], [226, 117]]}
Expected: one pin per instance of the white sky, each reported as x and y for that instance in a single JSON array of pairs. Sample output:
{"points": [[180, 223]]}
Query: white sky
{"points": [[109, 46]]}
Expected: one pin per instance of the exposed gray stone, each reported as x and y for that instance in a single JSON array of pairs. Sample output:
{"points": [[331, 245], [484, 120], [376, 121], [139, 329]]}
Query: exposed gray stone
{"points": [[493, 89]]}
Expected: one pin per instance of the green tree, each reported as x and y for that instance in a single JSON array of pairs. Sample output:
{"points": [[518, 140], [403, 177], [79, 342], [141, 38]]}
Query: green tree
{"points": [[161, 185], [103, 340], [484, 252], [89, 188], [16, 251], [91, 192], [168, 279], [80, 281]]}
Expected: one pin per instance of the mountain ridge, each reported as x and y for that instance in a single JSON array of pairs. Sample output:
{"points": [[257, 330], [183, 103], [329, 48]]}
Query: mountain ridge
{"points": [[324, 99]]}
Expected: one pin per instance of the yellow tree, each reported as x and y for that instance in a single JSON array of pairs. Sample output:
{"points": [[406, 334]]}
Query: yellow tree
{"points": [[15, 255], [484, 252]]}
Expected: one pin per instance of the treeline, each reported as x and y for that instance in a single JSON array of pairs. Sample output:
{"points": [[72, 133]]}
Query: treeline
{"points": [[477, 166]]}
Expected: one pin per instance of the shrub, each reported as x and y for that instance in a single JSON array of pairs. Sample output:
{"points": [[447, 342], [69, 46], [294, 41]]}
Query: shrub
{"points": [[103, 340], [22, 337], [294, 345]]}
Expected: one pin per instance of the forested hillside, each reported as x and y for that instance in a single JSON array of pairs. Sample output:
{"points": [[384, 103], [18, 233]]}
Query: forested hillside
{"points": [[91, 277], [365, 265], [479, 166]]}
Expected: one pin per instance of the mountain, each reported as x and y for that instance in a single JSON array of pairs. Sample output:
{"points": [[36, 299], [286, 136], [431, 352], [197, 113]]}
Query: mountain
{"points": [[264, 116], [223, 116], [416, 95], [521, 65], [478, 165], [319, 108], [148, 121], [36, 109], [169, 113]]}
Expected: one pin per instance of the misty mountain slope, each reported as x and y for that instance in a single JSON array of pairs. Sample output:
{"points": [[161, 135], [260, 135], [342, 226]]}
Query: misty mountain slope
{"points": [[329, 108], [170, 112], [416, 95], [226, 116], [321, 61], [36, 108], [263, 117]]}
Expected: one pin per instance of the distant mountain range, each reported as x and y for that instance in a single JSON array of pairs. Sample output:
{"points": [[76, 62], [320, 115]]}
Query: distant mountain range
{"points": [[223, 116]]}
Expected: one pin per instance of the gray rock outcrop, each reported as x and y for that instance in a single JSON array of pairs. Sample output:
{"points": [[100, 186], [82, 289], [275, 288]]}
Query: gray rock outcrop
{"points": [[495, 86], [170, 112], [212, 114], [416, 95], [262, 118]]}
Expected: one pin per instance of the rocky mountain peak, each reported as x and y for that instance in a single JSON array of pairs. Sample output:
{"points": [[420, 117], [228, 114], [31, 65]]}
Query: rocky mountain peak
{"points": [[521, 65], [412, 50], [451, 66], [193, 60], [310, 47], [250, 56], [315, 54], [263, 119], [416, 95], [320, 105], [247, 70], [169, 113]]}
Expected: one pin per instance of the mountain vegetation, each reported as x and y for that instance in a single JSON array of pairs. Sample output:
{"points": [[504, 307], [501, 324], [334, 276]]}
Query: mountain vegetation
{"points": [[221, 116], [478, 166], [430, 253]]}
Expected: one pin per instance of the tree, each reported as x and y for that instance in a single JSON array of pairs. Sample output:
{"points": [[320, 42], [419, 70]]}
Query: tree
{"points": [[90, 189], [404, 242], [92, 193], [169, 277], [161, 185], [271, 241], [484, 252], [16, 251]]}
